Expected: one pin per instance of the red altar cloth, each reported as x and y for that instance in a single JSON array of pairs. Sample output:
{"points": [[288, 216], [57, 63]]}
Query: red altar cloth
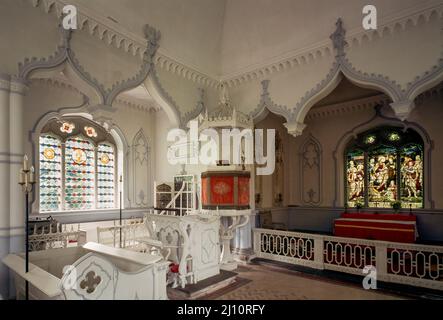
{"points": [[385, 227]]}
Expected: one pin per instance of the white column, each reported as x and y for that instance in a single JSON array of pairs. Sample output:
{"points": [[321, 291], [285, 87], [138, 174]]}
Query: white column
{"points": [[243, 238], [4, 182], [16, 147]]}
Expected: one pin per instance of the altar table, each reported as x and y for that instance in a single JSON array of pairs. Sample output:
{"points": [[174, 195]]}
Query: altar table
{"points": [[385, 227]]}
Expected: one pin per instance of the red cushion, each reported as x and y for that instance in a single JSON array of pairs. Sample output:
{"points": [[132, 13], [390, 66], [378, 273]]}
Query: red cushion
{"points": [[173, 267], [379, 216]]}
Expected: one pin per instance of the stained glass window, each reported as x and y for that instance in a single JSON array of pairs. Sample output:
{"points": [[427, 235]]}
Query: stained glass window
{"points": [[412, 176], [77, 166], [105, 176], [79, 174], [384, 166], [50, 173], [382, 172], [355, 176]]}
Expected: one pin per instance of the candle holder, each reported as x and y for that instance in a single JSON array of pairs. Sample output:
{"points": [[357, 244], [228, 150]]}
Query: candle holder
{"points": [[27, 182], [120, 209]]}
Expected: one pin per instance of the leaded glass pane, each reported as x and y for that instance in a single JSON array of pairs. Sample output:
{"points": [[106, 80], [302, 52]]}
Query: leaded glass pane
{"points": [[105, 176], [411, 165], [382, 171], [79, 171], [50, 153], [355, 176]]}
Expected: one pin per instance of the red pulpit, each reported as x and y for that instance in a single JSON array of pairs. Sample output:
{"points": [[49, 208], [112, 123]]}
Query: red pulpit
{"points": [[385, 227], [225, 189]]}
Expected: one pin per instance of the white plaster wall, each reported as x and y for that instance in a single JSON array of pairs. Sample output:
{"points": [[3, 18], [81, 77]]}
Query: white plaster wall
{"points": [[191, 29], [184, 93], [256, 31], [106, 63], [164, 171], [405, 62], [25, 32]]}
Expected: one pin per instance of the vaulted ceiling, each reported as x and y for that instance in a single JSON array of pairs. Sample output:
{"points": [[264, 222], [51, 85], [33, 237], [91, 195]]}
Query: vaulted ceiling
{"points": [[225, 37]]}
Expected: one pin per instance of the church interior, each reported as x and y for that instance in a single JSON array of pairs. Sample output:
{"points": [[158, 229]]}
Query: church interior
{"points": [[221, 150]]}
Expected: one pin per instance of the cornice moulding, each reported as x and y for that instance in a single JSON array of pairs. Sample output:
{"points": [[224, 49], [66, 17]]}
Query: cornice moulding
{"points": [[337, 109], [136, 105], [317, 50], [123, 100], [113, 34]]}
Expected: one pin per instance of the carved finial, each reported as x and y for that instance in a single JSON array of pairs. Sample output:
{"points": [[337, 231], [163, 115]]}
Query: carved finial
{"points": [[338, 38], [224, 95], [153, 37], [66, 36], [378, 109], [265, 85], [201, 94]]}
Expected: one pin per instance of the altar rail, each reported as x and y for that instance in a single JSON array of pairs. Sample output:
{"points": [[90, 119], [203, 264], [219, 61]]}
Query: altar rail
{"points": [[55, 236], [409, 264]]}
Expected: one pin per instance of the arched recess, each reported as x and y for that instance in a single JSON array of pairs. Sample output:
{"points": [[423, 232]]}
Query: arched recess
{"points": [[311, 172], [155, 89], [381, 120], [267, 105], [402, 99], [141, 178], [80, 111], [331, 82]]}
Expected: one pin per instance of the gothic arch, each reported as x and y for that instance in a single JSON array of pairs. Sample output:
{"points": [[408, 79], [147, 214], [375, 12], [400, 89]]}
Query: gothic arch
{"points": [[79, 111], [141, 179], [64, 59], [402, 99], [381, 120], [311, 171], [267, 105], [156, 90]]}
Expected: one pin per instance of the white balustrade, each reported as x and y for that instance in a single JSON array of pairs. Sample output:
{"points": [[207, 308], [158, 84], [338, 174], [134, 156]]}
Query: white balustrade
{"points": [[410, 264], [54, 236]]}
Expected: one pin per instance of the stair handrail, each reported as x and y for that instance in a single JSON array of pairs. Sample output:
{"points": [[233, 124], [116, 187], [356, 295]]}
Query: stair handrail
{"points": [[172, 202]]}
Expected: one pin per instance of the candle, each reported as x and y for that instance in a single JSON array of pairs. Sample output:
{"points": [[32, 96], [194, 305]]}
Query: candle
{"points": [[25, 163], [32, 176], [22, 177]]}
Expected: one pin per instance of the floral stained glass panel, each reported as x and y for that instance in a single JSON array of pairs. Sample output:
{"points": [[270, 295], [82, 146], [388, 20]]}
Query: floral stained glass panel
{"points": [[411, 164], [382, 171], [105, 176], [355, 176], [79, 174], [50, 173]]}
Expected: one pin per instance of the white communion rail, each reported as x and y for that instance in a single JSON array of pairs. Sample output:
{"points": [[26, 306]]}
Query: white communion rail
{"points": [[409, 264]]}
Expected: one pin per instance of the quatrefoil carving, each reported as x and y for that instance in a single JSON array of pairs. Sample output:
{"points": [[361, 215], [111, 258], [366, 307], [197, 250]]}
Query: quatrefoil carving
{"points": [[90, 282]]}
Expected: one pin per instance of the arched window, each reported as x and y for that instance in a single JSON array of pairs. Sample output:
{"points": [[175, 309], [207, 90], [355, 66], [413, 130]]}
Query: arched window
{"points": [[50, 154], [384, 166], [77, 166]]}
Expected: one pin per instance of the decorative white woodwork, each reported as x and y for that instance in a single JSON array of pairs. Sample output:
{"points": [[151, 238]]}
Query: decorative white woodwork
{"points": [[62, 238], [230, 221], [410, 264], [95, 272], [193, 241], [131, 230]]}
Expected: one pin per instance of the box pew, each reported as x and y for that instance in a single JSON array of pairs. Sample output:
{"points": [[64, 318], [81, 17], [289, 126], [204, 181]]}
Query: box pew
{"points": [[91, 272]]}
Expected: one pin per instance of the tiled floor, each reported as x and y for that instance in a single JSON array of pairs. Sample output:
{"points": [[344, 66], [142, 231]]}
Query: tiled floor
{"points": [[267, 283]]}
